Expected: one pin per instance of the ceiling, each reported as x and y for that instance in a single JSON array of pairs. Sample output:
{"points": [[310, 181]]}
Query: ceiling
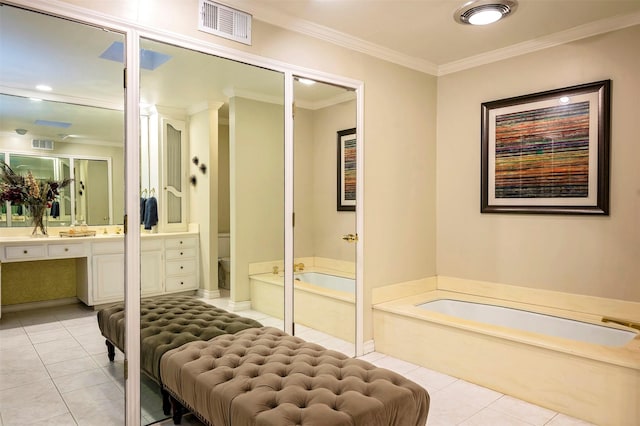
{"points": [[422, 34]]}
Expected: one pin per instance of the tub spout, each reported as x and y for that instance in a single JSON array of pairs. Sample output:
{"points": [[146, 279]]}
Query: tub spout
{"points": [[298, 267], [626, 323]]}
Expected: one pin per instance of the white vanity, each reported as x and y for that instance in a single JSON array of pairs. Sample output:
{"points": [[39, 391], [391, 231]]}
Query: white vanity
{"points": [[169, 262]]}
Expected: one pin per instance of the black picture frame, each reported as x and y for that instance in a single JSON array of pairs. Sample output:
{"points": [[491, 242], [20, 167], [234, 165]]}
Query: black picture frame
{"points": [[547, 152], [346, 168]]}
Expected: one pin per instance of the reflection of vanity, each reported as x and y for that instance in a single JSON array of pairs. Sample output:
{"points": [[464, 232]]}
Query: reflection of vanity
{"points": [[169, 262]]}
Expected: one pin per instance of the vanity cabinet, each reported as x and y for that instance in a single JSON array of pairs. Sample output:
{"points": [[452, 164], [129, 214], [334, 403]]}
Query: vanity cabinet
{"points": [[181, 264], [151, 267], [169, 263]]}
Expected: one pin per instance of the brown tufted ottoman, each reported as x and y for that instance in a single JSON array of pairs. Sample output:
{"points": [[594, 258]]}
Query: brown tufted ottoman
{"points": [[265, 377], [167, 322]]}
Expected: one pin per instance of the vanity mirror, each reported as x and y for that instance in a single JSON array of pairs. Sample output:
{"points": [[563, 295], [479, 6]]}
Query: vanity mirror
{"points": [[87, 156]]}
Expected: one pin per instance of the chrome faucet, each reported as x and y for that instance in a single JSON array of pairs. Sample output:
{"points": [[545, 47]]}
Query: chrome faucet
{"points": [[297, 267]]}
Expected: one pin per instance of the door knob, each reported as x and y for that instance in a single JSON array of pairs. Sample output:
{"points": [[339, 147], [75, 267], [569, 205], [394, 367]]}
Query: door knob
{"points": [[351, 238]]}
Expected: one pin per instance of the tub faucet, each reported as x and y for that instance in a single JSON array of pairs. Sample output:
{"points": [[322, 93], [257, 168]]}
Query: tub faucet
{"points": [[298, 267], [626, 323]]}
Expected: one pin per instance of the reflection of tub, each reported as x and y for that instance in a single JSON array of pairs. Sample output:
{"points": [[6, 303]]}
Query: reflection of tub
{"points": [[326, 305], [332, 282], [597, 382]]}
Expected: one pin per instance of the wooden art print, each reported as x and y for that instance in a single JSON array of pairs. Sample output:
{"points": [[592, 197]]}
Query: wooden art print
{"points": [[547, 152], [346, 170]]}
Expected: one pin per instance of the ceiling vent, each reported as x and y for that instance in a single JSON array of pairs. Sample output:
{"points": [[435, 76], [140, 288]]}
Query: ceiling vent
{"points": [[42, 144], [224, 21]]}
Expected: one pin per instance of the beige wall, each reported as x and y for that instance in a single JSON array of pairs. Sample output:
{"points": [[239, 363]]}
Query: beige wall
{"points": [[319, 226], [577, 254], [256, 147], [203, 196], [223, 178]]}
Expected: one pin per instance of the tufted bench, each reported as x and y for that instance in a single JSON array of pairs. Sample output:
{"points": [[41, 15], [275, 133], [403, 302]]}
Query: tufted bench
{"points": [[263, 376], [167, 322]]}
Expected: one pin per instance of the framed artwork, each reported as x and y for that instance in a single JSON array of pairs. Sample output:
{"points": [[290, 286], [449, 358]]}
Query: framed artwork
{"points": [[547, 152], [346, 170]]}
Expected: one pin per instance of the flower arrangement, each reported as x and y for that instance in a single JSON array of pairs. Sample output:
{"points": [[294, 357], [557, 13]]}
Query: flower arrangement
{"points": [[30, 192]]}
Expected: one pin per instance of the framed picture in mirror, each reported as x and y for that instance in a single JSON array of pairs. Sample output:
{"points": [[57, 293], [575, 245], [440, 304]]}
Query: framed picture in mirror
{"points": [[346, 162]]}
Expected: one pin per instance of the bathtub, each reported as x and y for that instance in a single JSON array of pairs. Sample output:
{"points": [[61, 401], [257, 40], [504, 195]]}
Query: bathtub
{"points": [[327, 281], [596, 379], [324, 301], [531, 321]]}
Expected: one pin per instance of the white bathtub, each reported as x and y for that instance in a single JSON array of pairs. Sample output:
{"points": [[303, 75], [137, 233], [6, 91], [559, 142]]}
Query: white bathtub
{"points": [[332, 282], [531, 321]]}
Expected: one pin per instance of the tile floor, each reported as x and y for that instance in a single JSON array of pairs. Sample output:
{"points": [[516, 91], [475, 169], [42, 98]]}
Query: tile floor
{"points": [[54, 371]]}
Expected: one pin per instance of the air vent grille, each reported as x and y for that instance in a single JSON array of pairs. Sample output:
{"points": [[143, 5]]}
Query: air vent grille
{"points": [[224, 21], [42, 144]]}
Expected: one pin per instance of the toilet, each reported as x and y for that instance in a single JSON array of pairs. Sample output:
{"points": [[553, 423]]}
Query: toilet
{"points": [[224, 261]]}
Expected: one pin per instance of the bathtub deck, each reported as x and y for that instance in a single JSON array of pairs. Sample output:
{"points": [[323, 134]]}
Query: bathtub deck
{"points": [[592, 382]]}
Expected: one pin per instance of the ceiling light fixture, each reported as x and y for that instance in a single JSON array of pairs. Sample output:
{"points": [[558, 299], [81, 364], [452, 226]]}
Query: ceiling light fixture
{"points": [[44, 87], [21, 131], [483, 12], [306, 81]]}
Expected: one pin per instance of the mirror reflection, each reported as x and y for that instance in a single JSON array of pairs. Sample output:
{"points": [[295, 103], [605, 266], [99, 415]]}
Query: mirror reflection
{"points": [[34, 140], [324, 262], [212, 157], [56, 370]]}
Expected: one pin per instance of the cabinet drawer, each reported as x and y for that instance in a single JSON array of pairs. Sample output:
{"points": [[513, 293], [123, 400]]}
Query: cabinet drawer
{"points": [[180, 283], [185, 267], [25, 252], [181, 253], [107, 248], [178, 243], [66, 250]]}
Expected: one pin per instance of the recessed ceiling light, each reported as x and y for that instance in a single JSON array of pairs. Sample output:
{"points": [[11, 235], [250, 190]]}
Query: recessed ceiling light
{"points": [[564, 100], [44, 87], [483, 12], [305, 81]]}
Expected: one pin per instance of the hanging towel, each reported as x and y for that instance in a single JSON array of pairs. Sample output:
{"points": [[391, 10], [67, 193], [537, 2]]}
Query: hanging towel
{"points": [[150, 213], [143, 202], [55, 209]]}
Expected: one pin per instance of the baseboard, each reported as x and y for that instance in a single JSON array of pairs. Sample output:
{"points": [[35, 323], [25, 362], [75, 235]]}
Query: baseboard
{"points": [[239, 306], [368, 347], [39, 305], [208, 294]]}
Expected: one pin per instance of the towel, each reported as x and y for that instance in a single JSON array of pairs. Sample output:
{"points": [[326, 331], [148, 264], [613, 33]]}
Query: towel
{"points": [[143, 202], [150, 213], [55, 209]]}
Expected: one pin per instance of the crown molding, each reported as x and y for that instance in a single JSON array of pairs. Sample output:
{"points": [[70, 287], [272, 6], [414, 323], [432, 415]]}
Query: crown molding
{"points": [[302, 26], [332, 36], [582, 31], [316, 105]]}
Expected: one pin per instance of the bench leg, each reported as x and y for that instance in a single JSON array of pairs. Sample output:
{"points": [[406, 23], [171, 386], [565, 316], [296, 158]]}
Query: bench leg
{"points": [[166, 402], [178, 411], [111, 350]]}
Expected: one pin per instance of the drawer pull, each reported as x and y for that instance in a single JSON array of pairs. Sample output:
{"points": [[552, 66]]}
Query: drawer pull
{"points": [[180, 242], [66, 249], [181, 282], [181, 253], [182, 267], [25, 251]]}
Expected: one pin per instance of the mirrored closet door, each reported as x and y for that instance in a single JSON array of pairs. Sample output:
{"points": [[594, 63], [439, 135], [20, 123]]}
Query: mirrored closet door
{"points": [[61, 117], [212, 160], [324, 268]]}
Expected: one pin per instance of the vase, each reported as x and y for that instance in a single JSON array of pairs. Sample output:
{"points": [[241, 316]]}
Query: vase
{"points": [[38, 219]]}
